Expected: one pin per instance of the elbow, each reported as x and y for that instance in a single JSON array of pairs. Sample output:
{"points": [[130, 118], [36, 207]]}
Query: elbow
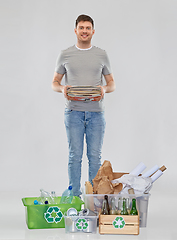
{"points": [[52, 87], [114, 87]]}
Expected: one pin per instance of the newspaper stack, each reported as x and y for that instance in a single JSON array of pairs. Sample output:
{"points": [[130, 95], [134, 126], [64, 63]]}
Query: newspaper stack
{"points": [[84, 93]]}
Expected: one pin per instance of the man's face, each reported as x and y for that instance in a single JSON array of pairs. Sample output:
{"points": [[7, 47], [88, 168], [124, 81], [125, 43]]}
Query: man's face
{"points": [[84, 31]]}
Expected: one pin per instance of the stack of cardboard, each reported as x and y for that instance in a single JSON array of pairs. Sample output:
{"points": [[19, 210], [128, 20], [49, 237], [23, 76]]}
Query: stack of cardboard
{"points": [[84, 93]]}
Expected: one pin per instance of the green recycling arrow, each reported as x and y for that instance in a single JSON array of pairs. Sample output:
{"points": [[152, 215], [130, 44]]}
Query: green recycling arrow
{"points": [[81, 224], [119, 222], [53, 214]]}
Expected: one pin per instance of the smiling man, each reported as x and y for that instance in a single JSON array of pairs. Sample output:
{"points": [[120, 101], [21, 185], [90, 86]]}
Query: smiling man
{"points": [[83, 65]]}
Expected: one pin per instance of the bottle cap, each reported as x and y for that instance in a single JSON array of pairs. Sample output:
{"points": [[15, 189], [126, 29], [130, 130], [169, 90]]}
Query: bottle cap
{"points": [[70, 187], [46, 202], [35, 202]]}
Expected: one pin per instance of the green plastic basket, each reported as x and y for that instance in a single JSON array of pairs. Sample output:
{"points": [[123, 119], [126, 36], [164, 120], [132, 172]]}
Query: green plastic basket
{"points": [[47, 215]]}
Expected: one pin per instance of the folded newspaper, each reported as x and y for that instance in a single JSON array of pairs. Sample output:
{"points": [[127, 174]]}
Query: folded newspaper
{"points": [[84, 93]]}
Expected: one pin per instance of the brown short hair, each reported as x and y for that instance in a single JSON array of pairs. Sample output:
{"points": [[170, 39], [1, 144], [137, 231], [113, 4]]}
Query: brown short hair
{"points": [[84, 18]]}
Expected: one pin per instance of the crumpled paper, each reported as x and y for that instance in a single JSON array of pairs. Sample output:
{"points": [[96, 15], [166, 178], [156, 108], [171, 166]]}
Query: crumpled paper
{"points": [[138, 183], [102, 181]]}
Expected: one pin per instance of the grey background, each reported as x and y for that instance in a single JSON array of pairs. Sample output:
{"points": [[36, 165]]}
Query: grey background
{"points": [[140, 38]]}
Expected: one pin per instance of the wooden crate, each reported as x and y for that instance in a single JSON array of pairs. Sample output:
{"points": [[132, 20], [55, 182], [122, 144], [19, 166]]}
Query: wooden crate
{"points": [[119, 224]]}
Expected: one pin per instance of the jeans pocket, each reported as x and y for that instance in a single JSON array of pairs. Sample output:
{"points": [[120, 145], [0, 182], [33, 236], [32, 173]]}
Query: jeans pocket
{"points": [[68, 111]]}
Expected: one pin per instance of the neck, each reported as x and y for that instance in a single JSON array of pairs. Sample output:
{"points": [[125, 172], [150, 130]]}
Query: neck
{"points": [[83, 45]]}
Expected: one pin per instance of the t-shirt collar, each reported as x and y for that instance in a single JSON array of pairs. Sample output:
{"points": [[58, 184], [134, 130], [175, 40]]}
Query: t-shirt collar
{"points": [[83, 49]]}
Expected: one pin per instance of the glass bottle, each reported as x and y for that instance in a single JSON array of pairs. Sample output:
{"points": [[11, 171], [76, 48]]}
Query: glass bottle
{"points": [[124, 208], [119, 205], [107, 203], [113, 210], [128, 205], [133, 210], [104, 210]]}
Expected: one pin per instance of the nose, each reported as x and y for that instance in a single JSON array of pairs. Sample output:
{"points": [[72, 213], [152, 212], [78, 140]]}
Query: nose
{"points": [[85, 30]]}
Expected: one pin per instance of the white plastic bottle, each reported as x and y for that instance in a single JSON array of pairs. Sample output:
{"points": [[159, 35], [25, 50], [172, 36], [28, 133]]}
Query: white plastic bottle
{"points": [[67, 196]]}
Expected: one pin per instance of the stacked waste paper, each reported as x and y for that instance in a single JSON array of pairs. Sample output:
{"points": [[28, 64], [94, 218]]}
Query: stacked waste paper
{"points": [[84, 93]]}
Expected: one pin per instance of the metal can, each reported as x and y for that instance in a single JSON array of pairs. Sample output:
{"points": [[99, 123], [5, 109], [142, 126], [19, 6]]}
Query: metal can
{"points": [[72, 212], [87, 212]]}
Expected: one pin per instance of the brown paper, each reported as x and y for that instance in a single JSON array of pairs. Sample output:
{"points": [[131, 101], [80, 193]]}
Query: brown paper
{"points": [[105, 186], [102, 181], [117, 187], [88, 188], [105, 170]]}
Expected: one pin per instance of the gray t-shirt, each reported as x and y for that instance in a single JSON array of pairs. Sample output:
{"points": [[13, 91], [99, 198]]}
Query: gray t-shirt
{"points": [[83, 68]]}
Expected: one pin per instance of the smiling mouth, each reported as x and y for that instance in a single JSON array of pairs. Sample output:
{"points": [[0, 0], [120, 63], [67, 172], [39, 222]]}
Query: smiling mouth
{"points": [[84, 36]]}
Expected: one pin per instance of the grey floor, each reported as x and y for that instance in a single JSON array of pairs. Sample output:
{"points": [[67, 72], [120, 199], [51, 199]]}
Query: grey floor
{"points": [[161, 223]]}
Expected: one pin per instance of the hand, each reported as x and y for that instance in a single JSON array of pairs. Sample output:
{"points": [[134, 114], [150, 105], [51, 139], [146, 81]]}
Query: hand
{"points": [[102, 92], [64, 91]]}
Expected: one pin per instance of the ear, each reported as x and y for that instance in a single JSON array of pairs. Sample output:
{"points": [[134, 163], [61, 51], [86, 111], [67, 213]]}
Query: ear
{"points": [[75, 30], [93, 32]]}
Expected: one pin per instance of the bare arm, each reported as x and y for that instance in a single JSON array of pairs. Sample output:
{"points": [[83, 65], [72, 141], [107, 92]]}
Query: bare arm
{"points": [[56, 84], [110, 85]]}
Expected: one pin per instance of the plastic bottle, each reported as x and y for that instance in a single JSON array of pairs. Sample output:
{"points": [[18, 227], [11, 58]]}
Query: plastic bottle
{"points": [[54, 196], [46, 196], [67, 196], [36, 202]]}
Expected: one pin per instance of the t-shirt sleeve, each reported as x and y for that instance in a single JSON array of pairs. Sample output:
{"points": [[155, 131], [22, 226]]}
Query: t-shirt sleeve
{"points": [[60, 68], [107, 67]]}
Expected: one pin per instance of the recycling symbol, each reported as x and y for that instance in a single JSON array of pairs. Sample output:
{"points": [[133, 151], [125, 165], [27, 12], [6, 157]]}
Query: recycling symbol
{"points": [[53, 214], [119, 222], [81, 224]]}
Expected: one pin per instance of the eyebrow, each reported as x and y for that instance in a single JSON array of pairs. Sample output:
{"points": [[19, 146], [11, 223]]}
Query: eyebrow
{"points": [[86, 26]]}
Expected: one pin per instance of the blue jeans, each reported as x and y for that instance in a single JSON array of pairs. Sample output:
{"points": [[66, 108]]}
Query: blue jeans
{"points": [[91, 125]]}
